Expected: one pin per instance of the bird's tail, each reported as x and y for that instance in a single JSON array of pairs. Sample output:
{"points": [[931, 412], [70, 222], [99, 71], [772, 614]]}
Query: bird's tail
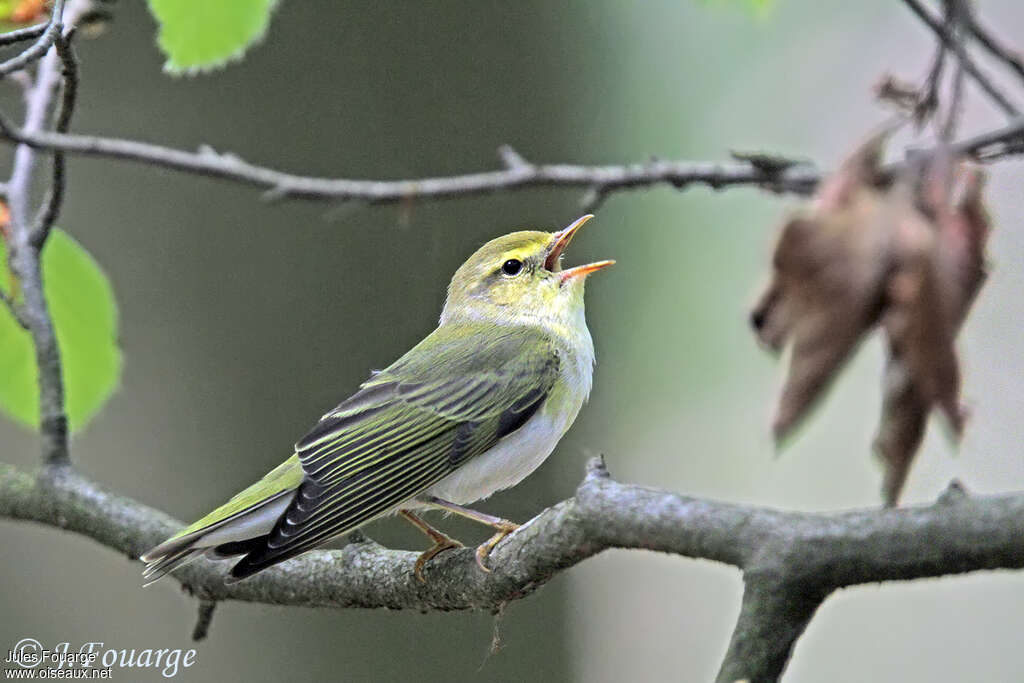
{"points": [[230, 529]]}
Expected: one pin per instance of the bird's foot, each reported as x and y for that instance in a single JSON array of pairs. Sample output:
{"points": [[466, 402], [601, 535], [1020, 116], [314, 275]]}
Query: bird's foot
{"points": [[441, 541], [440, 545], [505, 528]]}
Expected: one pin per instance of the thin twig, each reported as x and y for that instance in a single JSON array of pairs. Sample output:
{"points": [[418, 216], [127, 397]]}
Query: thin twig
{"points": [[969, 66], [50, 208], [27, 33], [203, 620], [991, 145], [42, 44], [956, 17], [928, 102], [799, 178], [280, 185], [1011, 58]]}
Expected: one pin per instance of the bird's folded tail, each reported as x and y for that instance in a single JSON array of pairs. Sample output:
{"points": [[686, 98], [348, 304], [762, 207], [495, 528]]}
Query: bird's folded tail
{"points": [[232, 528]]}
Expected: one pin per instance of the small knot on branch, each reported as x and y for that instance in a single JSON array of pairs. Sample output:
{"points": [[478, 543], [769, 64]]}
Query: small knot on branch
{"points": [[769, 164], [592, 200], [276, 193], [357, 537], [954, 493], [596, 470], [512, 159]]}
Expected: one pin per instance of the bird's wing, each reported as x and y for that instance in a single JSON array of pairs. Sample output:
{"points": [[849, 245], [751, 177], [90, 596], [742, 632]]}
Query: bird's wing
{"points": [[450, 398]]}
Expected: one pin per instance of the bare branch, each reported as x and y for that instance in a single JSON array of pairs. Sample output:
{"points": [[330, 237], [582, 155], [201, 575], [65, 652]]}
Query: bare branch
{"points": [[947, 38], [50, 208], [987, 146], [788, 559], [208, 162], [26, 237], [780, 175], [38, 48], [773, 616], [1011, 58], [956, 18], [27, 33], [24, 253], [929, 101]]}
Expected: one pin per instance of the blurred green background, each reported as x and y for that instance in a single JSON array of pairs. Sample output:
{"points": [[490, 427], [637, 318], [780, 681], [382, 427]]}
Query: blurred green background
{"points": [[242, 321]]}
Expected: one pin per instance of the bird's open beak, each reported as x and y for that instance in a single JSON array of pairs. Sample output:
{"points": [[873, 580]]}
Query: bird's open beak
{"points": [[559, 241]]}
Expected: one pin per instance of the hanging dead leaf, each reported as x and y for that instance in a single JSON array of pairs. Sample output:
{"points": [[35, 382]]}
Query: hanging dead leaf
{"points": [[826, 289], [917, 312], [940, 268], [907, 257], [963, 234], [904, 417]]}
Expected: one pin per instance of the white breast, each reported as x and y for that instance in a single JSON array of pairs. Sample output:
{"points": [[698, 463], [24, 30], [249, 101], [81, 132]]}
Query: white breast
{"points": [[514, 457]]}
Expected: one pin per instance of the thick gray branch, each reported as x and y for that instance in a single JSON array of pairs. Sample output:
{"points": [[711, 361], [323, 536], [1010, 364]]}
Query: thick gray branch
{"points": [[790, 561]]}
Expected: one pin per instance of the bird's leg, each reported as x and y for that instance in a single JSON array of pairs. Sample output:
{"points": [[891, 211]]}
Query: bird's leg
{"points": [[503, 526], [441, 542]]}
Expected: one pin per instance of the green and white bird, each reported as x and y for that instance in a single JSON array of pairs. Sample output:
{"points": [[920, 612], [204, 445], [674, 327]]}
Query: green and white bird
{"points": [[472, 409]]}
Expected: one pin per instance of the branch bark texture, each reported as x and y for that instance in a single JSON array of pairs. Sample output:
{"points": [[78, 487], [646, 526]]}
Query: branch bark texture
{"points": [[790, 561]]}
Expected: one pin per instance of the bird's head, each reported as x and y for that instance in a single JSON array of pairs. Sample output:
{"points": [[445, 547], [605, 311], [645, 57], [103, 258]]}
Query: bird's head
{"points": [[518, 278]]}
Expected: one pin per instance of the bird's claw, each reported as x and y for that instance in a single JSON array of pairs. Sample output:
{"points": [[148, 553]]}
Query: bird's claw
{"points": [[505, 529], [440, 545]]}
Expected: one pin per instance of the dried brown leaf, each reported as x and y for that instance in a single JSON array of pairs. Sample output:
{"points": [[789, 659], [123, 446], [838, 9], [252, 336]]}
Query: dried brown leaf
{"points": [[917, 317], [939, 268], [904, 417], [963, 234], [908, 257], [827, 284]]}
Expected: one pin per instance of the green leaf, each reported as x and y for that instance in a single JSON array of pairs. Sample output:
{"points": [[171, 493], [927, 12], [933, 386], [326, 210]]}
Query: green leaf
{"points": [[84, 314], [198, 35]]}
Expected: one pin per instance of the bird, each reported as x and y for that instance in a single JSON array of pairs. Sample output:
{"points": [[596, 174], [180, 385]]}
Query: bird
{"points": [[472, 409]]}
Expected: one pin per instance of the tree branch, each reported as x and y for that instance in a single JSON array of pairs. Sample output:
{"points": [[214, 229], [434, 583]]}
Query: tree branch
{"points": [[1009, 57], [27, 237], [38, 48], [783, 175], [49, 210], [949, 40], [791, 561], [206, 161], [27, 33]]}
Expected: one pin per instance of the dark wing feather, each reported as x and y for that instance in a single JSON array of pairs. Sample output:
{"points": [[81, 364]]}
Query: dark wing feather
{"points": [[449, 399]]}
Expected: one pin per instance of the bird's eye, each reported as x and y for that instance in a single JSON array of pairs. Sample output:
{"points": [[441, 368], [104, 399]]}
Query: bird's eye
{"points": [[511, 267]]}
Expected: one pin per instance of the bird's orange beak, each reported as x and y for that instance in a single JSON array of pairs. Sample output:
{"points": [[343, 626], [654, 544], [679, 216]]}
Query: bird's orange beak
{"points": [[580, 271], [559, 241]]}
